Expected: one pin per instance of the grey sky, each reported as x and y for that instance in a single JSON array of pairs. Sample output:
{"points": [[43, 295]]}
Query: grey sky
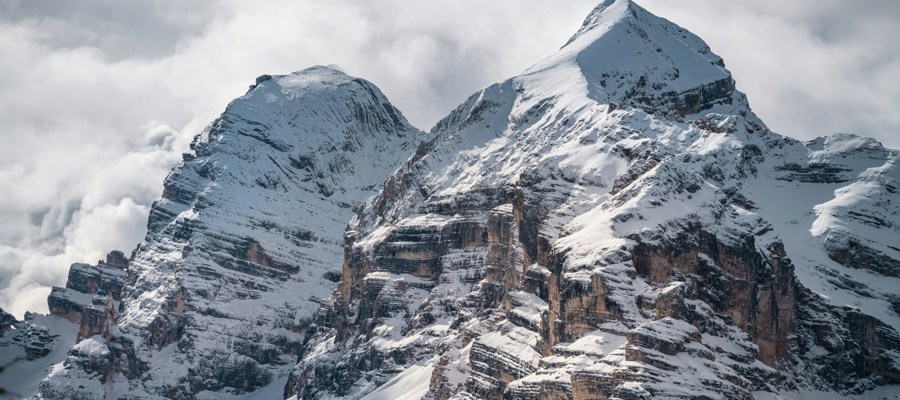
{"points": [[98, 98]]}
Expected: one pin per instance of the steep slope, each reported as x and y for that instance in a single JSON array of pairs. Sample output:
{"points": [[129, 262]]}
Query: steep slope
{"points": [[617, 223], [244, 245]]}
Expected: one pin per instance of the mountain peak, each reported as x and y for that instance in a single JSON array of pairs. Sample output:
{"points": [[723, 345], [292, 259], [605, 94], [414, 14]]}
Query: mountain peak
{"points": [[605, 12], [305, 79], [624, 54], [323, 72], [251, 227]]}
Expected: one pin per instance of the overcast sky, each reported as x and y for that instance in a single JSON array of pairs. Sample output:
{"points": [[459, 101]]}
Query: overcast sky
{"points": [[99, 98]]}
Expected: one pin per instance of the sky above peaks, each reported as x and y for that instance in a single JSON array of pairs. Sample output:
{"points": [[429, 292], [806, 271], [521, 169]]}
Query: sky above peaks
{"points": [[98, 99]]}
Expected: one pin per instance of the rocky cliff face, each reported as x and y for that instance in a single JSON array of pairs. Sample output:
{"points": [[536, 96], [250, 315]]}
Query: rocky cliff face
{"points": [[7, 321], [617, 223], [88, 284], [241, 250], [613, 223]]}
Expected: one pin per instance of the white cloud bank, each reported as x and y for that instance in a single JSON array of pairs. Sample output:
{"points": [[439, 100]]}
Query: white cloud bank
{"points": [[98, 99]]}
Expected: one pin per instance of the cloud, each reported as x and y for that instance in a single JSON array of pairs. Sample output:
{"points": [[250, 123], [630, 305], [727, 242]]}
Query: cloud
{"points": [[809, 68], [85, 220], [117, 29], [99, 99]]}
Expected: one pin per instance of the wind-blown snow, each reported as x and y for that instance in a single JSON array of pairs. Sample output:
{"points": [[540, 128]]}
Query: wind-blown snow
{"points": [[411, 384]]}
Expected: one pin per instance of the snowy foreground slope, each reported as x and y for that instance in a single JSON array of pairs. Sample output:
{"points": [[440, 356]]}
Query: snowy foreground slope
{"points": [[615, 222]]}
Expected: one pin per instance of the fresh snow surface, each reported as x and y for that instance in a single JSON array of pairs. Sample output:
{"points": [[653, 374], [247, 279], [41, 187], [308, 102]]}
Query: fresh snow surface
{"points": [[610, 52], [273, 391], [890, 392], [21, 378], [411, 384]]}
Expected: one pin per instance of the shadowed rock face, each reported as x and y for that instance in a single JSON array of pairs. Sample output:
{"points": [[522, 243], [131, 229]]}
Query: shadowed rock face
{"points": [[758, 295], [7, 320], [87, 290]]}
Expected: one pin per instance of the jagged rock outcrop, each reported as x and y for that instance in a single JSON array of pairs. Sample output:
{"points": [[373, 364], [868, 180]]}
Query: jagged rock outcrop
{"points": [[87, 282], [612, 224], [116, 259], [241, 250], [7, 321]]}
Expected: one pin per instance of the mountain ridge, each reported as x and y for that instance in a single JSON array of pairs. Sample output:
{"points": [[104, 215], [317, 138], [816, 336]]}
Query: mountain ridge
{"points": [[615, 222]]}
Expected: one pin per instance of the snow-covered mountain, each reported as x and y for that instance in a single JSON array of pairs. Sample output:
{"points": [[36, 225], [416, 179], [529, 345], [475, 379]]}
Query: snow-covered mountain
{"points": [[244, 246], [615, 222]]}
